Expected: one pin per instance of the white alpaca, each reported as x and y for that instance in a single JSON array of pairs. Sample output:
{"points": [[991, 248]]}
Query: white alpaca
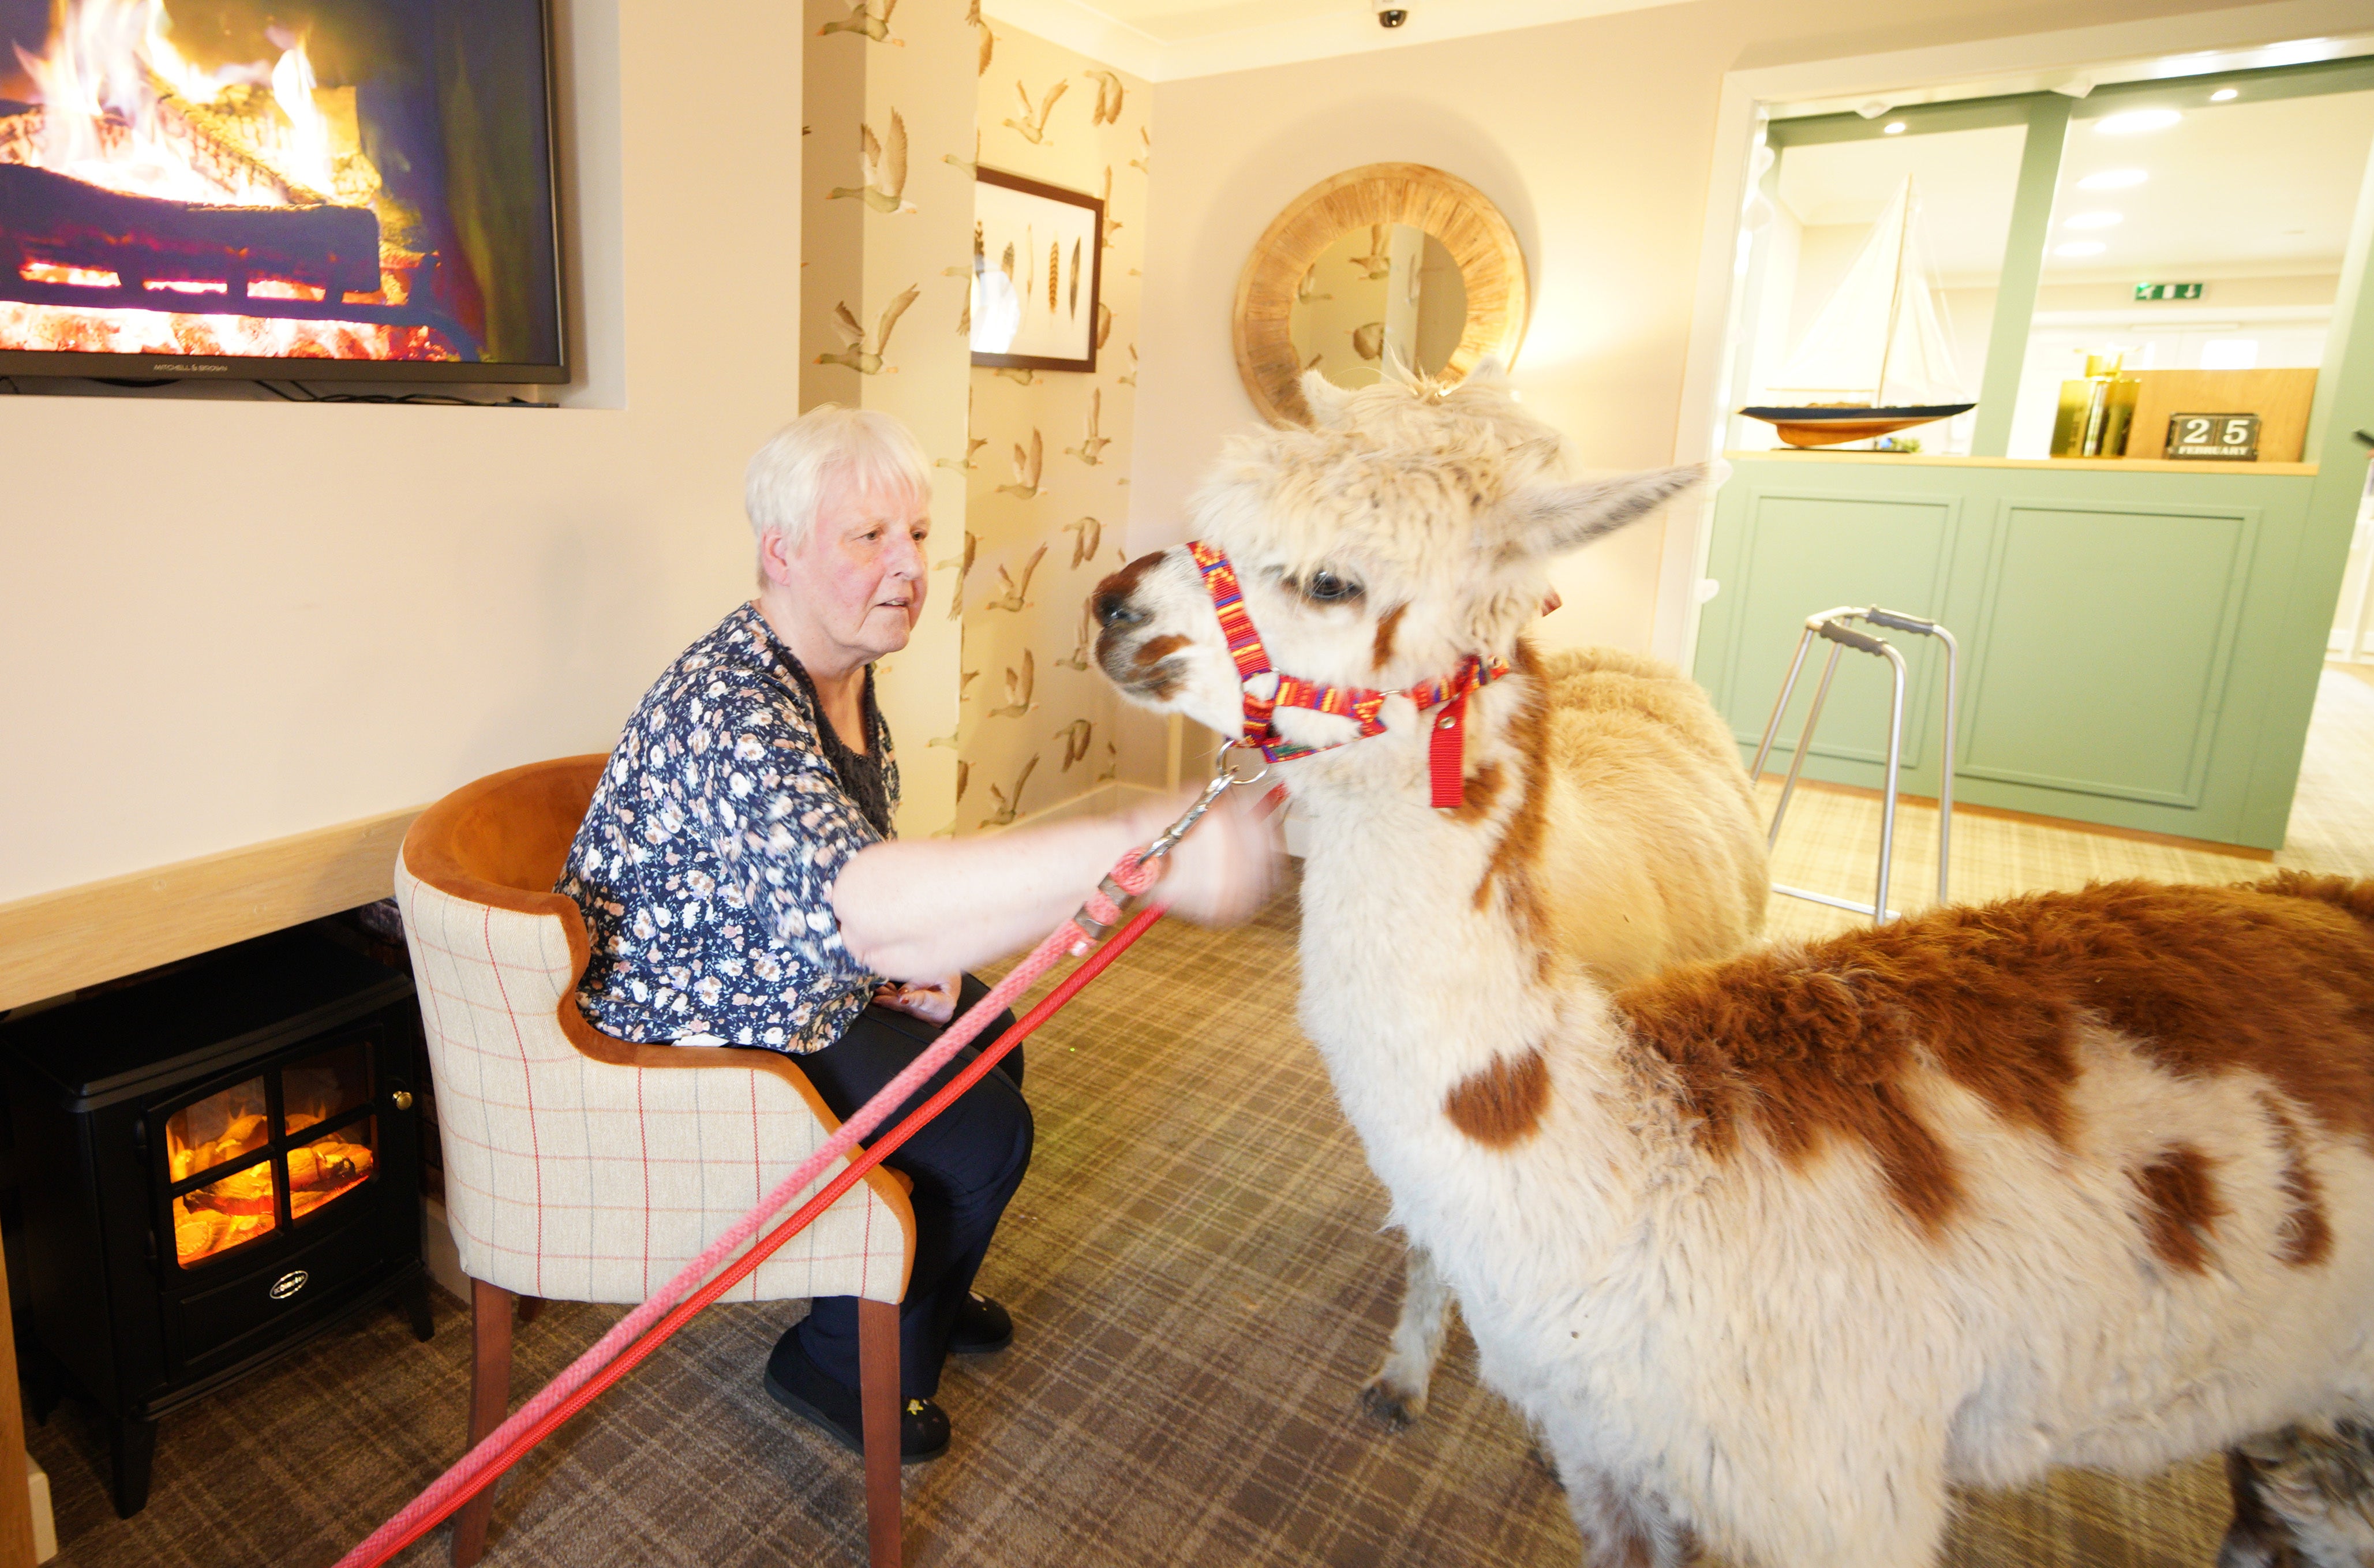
{"points": [[1771, 1250], [1649, 852]]}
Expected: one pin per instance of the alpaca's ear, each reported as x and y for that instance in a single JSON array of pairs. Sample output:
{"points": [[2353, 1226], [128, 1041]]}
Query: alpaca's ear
{"points": [[1324, 399], [1551, 522]]}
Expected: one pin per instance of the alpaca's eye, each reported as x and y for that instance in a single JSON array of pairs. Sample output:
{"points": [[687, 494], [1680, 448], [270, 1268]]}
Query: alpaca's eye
{"points": [[1329, 589]]}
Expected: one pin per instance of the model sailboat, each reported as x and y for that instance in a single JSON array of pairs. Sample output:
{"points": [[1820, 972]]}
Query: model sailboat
{"points": [[1877, 359]]}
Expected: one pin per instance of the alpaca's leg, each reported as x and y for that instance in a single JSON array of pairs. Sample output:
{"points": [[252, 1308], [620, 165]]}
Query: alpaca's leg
{"points": [[1397, 1394], [1625, 1527], [2253, 1539]]}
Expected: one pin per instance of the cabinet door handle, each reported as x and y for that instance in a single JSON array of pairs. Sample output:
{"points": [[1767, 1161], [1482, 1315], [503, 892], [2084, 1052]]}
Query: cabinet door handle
{"points": [[401, 1099]]}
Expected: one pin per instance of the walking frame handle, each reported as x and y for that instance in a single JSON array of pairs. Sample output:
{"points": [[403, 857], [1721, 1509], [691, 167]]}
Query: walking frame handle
{"points": [[1830, 626]]}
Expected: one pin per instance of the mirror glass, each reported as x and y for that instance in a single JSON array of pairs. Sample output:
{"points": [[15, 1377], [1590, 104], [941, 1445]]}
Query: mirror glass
{"points": [[1382, 293]]}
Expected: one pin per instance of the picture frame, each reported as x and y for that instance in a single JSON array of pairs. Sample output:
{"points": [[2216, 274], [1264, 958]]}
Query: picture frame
{"points": [[1030, 313]]}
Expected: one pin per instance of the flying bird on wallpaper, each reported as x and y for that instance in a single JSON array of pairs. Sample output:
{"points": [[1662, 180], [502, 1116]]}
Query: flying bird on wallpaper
{"points": [[1075, 736], [1091, 535], [1104, 322], [1308, 290], [964, 684], [1368, 341], [988, 38], [964, 329], [964, 776], [1021, 375], [1376, 264], [1008, 804], [972, 171], [1091, 448], [1019, 698], [1130, 379], [1110, 95], [857, 357], [1017, 598], [863, 18], [1028, 468], [1084, 649], [1146, 138], [1032, 126], [962, 564], [972, 446], [1112, 224], [885, 169]]}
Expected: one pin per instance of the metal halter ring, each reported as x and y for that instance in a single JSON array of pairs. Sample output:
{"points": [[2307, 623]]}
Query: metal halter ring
{"points": [[1220, 764]]}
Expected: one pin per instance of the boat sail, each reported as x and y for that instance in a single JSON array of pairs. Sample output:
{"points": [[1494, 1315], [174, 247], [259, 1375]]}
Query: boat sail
{"points": [[1877, 359]]}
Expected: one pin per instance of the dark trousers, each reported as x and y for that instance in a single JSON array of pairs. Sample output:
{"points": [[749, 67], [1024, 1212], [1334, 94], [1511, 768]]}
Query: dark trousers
{"points": [[966, 1164]]}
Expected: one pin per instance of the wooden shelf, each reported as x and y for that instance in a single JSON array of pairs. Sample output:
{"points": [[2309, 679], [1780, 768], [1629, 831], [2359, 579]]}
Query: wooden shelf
{"points": [[2098, 465]]}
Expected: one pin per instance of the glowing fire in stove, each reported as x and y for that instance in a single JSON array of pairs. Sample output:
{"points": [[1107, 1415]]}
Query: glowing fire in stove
{"points": [[121, 109], [239, 1207]]}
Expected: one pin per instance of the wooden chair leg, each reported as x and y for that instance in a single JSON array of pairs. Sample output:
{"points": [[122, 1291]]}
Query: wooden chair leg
{"points": [[878, 1395], [490, 1400]]}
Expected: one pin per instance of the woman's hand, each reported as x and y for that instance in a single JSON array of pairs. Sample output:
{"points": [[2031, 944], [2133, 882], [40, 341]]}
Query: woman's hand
{"points": [[1223, 871]]}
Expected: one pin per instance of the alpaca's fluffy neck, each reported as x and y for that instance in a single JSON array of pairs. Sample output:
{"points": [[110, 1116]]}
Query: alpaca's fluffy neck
{"points": [[1412, 982]]}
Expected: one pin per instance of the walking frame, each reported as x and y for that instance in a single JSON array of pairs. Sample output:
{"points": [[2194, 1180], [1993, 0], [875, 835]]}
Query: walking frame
{"points": [[1830, 626]]}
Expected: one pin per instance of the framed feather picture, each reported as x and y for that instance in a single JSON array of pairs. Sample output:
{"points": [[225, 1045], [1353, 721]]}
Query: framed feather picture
{"points": [[1036, 267]]}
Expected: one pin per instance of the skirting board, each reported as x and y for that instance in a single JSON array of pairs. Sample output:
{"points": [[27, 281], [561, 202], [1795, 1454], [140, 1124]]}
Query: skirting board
{"points": [[56, 942], [45, 1526]]}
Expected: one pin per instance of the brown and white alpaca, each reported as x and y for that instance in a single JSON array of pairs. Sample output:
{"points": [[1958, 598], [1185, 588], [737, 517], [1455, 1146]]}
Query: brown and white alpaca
{"points": [[1771, 1250]]}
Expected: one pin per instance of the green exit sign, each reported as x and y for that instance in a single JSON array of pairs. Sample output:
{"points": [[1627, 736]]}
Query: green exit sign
{"points": [[2167, 290]]}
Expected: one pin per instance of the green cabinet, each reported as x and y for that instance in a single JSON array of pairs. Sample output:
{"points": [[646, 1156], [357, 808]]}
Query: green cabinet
{"points": [[2128, 631]]}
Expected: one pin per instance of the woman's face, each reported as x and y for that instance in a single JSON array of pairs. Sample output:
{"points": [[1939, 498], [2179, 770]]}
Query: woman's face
{"points": [[859, 581]]}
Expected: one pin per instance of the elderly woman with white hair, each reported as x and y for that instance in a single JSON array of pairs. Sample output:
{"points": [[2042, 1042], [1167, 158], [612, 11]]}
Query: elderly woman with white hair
{"points": [[743, 887]]}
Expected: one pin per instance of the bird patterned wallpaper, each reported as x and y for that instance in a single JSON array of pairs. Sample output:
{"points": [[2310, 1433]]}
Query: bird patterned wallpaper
{"points": [[1046, 462], [886, 219]]}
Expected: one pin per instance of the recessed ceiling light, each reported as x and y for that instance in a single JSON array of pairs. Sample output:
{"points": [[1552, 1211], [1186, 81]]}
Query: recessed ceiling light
{"points": [[2135, 120], [1893, 128], [2225, 95], [2080, 248], [2096, 220], [2113, 180]]}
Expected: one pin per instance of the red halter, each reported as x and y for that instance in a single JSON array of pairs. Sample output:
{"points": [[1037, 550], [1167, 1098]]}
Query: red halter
{"points": [[1445, 761]]}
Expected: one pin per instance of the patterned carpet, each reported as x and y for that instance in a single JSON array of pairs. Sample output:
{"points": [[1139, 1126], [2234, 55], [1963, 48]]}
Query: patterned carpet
{"points": [[1200, 1287]]}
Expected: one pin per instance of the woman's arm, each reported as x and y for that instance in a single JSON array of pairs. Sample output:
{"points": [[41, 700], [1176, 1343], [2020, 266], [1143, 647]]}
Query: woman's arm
{"points": [[923, 908]]}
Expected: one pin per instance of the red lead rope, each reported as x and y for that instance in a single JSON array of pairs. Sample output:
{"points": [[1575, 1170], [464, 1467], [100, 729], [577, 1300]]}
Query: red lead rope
{"points": [[627, 1343], [616, 1353]]}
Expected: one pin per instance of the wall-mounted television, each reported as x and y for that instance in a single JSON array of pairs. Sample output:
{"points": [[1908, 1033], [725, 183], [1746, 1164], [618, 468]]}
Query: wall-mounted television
{"points": [[279, 189]]}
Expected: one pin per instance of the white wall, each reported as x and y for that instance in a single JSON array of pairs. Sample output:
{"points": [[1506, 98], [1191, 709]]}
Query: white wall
{"points": [[1594, 137], [224, 622]]}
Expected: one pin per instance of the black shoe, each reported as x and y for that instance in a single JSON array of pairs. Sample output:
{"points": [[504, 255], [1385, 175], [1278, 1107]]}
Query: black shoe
{"points": [[806, 1390], [981, 1326]]}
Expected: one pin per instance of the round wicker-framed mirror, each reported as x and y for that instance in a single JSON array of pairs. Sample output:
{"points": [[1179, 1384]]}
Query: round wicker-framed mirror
{"points": [[1409, 215]]}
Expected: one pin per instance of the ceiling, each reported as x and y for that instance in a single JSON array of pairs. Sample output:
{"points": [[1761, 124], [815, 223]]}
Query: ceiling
{"points": [[1165, 40], [2249, 188]]}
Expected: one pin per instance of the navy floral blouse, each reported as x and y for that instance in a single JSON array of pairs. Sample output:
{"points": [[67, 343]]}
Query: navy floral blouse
{"points": [[706, 862]]}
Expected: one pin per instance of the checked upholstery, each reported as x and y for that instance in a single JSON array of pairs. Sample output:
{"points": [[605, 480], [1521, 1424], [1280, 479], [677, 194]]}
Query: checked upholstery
{"points": [[579, 1167]]}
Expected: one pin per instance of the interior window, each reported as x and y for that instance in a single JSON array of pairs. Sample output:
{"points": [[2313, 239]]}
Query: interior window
{"points": [[1878, 261], [2250, 200]]}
